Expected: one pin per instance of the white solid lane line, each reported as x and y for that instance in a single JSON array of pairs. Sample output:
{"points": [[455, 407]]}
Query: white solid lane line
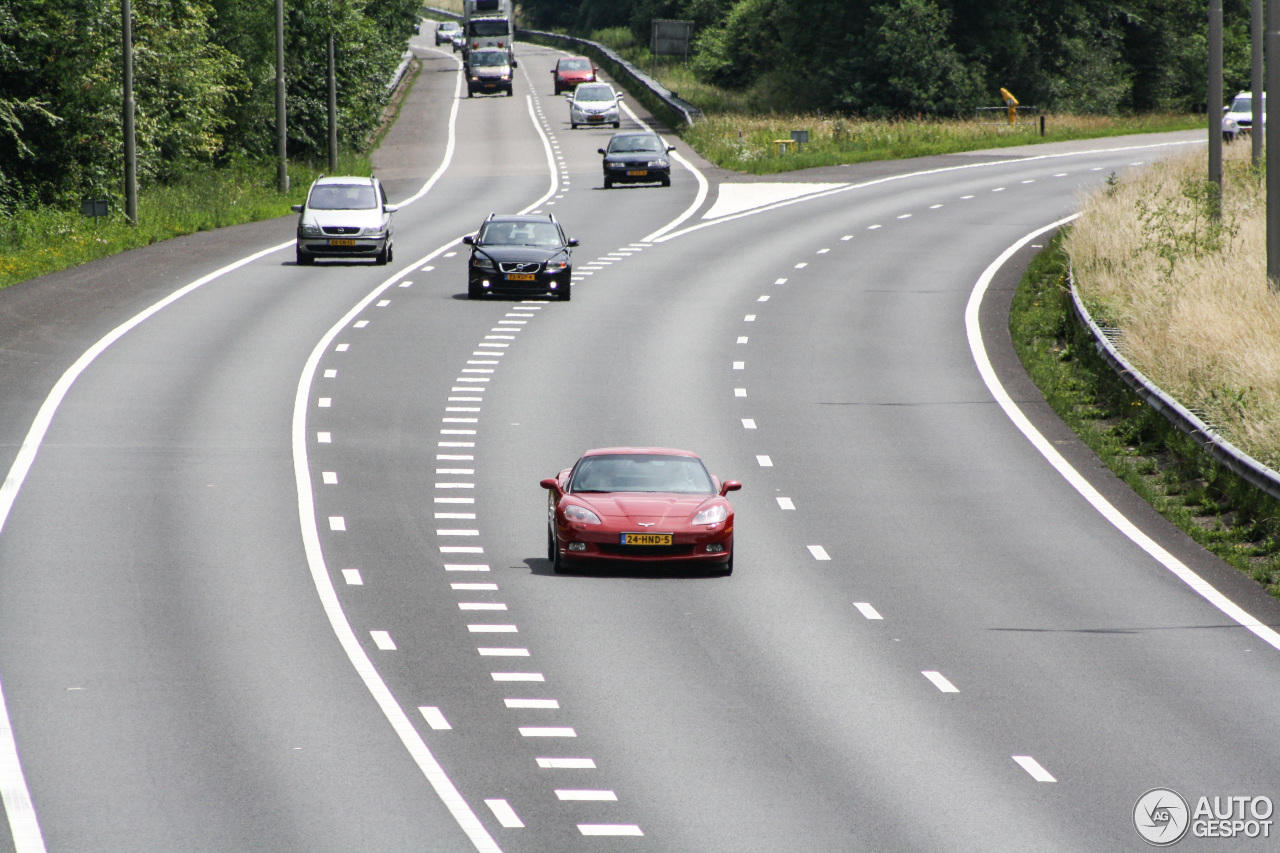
{"points": [[1104, 507], [1033, 767]]}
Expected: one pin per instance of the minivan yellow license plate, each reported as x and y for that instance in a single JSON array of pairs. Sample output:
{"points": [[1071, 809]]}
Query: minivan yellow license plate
{"points": [[342, 242], [646, 539]]}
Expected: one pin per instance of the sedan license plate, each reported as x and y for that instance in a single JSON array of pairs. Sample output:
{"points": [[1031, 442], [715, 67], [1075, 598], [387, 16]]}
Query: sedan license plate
{"points": [[646, 539], [342, 242], [520, 276], [638, 173], [595, 118]]}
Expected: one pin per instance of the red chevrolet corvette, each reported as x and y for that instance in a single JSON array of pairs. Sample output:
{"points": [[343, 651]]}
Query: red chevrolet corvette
{"points": [[639, 504]]}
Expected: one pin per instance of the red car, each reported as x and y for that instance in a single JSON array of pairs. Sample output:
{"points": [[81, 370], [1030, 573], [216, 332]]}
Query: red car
{"points": [[571, 71], [639, 505]]}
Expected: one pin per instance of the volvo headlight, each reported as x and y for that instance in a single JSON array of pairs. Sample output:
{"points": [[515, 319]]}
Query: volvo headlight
{"points": [[482, 262]]}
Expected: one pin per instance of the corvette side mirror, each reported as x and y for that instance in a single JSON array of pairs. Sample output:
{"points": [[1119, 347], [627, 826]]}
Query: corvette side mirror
{"points": [[729, 486], [551, 483]]}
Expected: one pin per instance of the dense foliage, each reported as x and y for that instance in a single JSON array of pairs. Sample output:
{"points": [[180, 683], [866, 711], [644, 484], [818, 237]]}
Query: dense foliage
{"points": [[204, 84], [940, 57]]}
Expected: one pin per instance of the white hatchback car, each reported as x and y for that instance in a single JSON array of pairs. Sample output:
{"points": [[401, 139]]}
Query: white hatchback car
{"points": [[594, 103], [345, 217]]}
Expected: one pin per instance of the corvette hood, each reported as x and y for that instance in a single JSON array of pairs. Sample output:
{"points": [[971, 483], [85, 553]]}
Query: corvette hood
{"points": [[667, 510]]}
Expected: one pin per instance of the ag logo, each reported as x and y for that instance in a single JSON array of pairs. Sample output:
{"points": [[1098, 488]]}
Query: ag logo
{"points": [[1161, 817]]}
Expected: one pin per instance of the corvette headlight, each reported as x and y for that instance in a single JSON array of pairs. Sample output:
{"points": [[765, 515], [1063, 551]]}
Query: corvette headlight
{"points": [[482, 262], [573, 512], [308, 229], [712, 515]]}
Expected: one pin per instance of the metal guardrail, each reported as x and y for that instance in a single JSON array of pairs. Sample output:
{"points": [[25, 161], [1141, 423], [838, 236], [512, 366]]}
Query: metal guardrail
{"points": [[1232, 458], [677, 110], [398, 74]]}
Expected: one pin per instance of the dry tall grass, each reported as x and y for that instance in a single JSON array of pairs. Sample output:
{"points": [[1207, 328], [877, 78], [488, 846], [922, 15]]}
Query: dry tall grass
{"points": [[1188, 292]]}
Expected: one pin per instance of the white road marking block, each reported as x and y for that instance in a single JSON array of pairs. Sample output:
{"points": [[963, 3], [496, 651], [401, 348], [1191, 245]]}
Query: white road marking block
{"points": [[461, 549], [337, 522], [867, 610], [599, 796], [532, 703], [764, 461], [940, 681], [481, 605], [352, 577], [785, 503], [382, 640], [503, 653], [818, 552], [748, 423], [517, 676], [609, 829], [473, 586], [547, 731], [466, 567], [566, 764], [1033, 767], [434, 718], [504, 813], [739, 392], [492, 629], [329, 478]]}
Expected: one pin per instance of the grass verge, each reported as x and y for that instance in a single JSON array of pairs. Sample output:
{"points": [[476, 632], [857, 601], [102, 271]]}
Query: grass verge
{"points": [[1219, 510]]}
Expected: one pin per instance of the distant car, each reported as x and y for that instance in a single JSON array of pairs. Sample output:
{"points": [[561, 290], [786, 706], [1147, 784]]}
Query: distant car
{"points": [[489, 69], [446, 30], [520, 255], [1240, 113], [637, 158], [458, 40], [572, 70], [639, 505], [345, 217], [594, 103]]}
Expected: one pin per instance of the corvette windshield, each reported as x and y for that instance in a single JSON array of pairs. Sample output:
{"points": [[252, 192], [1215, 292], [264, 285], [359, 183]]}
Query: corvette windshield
{"points": [[642, 473]]}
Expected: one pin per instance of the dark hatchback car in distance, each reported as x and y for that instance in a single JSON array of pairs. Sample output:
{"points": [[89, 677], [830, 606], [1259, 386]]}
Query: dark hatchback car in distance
{"points": [[520, 256], [634, 157]]}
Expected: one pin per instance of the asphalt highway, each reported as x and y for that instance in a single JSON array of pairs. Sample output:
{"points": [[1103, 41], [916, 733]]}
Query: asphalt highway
{"points": [[273, 558]]}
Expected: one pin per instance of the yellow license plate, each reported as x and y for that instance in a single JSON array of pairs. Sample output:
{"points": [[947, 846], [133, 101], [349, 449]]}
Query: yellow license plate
{"points": [[646, 539], [342, 242], [637, 173], [595, 118], [520, 276]]}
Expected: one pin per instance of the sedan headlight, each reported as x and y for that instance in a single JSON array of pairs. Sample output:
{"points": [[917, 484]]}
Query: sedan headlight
{"points": [[712, 515], [658, 164], [556, 266], [482, 262], [308, 229], [573, 512]]}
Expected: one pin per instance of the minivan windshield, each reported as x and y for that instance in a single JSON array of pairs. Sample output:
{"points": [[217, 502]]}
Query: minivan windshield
{"points": [[488, 58], [343, 197]]}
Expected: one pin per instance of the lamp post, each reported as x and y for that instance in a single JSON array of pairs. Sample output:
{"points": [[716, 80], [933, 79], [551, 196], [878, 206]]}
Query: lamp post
{"points": [[130, 144], [333, 109]]}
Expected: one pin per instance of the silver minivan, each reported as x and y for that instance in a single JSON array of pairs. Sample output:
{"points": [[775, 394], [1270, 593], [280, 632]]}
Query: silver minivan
{"points": [[345, 217]]}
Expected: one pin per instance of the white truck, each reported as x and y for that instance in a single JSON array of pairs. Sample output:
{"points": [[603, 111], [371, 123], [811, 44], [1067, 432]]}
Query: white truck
{"points": [[488, 23]]}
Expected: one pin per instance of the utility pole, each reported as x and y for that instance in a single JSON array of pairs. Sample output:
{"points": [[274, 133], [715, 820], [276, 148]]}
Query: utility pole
{"points": [[130, 143], [1215, 103], [1256, 85], [282, 136], [1273, 151], [333, 109]]}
